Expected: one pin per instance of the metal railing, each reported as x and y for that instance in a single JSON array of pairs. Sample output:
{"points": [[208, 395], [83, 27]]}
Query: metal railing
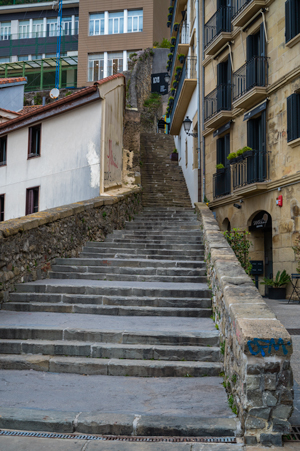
{"points": [[38, 34], [254, 169], [253, 73], [181, 38], [185, 33], [217, 100], [220, 21], [222, 183], [238, 6], [189, 71], [173, 17]]}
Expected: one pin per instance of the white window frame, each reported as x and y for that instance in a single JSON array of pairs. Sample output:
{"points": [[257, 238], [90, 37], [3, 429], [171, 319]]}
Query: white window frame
{"points": [[116, 23], [23, 31], [91, 68], [139, 18], [5, 32], [93, 22]]}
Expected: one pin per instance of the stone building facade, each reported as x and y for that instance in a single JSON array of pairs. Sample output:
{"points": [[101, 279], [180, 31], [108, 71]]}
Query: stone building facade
{"points": [[252, 79]]}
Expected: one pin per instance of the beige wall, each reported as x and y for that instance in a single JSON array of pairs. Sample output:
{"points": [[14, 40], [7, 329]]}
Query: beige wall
{"points": [[284, 159], [154, 29]]}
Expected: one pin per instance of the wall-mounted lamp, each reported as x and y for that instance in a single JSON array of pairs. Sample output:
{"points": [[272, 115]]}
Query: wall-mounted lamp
{"points": [[187, 125], [238, 206], [167, 78]]}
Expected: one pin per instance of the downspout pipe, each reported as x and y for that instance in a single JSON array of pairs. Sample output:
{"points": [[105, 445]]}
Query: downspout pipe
{"points": [[202, 100], [198, 91]]}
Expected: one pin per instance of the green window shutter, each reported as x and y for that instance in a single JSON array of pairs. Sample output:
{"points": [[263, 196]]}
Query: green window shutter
{"points": [[293, 111]]}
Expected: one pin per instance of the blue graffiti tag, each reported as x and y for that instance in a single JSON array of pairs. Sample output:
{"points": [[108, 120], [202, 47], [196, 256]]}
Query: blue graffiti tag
{"points": [[261, 344]]}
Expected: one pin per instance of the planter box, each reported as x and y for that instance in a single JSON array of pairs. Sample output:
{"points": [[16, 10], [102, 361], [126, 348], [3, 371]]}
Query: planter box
{"points": [[233, 161], [220, 171], [248, 153], [181, 59], [176, 27], [174, 156], [239, 158], [173, 41], [277, 293]]}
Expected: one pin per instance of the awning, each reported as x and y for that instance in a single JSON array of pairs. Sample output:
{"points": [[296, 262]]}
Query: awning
{"points": [[256, 110]]}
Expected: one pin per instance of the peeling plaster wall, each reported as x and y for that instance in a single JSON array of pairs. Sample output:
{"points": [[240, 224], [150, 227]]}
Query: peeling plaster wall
{"points": [[68, 169]]}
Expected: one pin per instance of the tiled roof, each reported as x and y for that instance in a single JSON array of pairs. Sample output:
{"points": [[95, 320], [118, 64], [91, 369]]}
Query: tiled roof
{"points": [[60, 102], [8, 111], [29, 108], [6, 81]]}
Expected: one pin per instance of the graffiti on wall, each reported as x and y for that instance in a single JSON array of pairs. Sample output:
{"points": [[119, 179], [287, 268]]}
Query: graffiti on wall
{"points": [[259, 346]]}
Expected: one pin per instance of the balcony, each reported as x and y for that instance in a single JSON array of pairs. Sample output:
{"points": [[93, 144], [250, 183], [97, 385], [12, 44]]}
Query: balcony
{"points": [[181, 47], [250, 83], [177, 16], [184, 92], [217, 106], [222, 183], [217, 31], [244, 10], [249, 174]]}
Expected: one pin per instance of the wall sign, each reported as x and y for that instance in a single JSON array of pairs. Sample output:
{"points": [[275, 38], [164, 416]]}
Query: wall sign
{"points": [[158, 83], [261, 221]]}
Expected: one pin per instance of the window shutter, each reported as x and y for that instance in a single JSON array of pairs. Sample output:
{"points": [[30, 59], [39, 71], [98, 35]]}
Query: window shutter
{"points": [[250, 134], [226, 149], [293, 110]]}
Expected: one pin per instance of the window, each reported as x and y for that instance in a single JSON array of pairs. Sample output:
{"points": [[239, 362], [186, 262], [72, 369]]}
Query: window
{"points": [[96, 24], [24, 29], [116, 23], [222, 180], [23, 58], [51, 27], [96, 67], [5, 31], [223, 150], [34, 141], [2, 207], [224, 85], [293, 112], [292, 19], [3, 146], [66, 26], [135, 21], [5, 60], [38, 28], [115, 63], [32, 200], [256, 66]]}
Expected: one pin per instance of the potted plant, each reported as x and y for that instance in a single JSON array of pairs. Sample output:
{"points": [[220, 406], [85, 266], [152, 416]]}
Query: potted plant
{"points": [[277, 286], [232, 157], [247, 152], [173, 41], [175, 84], [172, 49], [171, 9], [171, 100], [181, 58], [174, 155], [170, 56], [239, 155], [176, 26], [172, 91], [220, 168], [168, 23], [178, 73], [170, 15]]}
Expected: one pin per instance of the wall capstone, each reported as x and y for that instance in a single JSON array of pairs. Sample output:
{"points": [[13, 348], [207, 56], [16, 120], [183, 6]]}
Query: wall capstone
{"points": [[257, 348]]}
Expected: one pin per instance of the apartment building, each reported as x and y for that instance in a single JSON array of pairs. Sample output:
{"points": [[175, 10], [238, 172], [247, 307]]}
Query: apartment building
{"points": [[183, 68], [251, 110], [28, 42], [110, 31]]}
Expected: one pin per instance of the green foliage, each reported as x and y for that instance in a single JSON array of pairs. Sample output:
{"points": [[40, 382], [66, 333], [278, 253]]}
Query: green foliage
{"points": [[104, 214], [239, 152], [181, 55], [171, 9], [246, 148], [38, 99], [132, 55], [231, 156], [206, 200], [164, 44], [175, 150], [154, 100], [220, 166], [281, 279], [178, 69], [240, 245], [233, 379], [222, 347]]}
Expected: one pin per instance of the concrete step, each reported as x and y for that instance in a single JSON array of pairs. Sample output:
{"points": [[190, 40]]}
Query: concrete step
{"points": [[116, 288], [129, 255], [140, 246], [92, 309], [125, 277], [122, 301], [110, 350], [144, 240], [134, 263], [146, 271], [109, 367], [159, 251]]}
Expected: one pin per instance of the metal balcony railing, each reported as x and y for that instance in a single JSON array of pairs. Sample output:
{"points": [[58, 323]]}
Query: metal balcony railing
{"points": [[181, 38], [222, 183], [253, 73], [38, 34], [217, 100], [253, 169], [238, 6], [189, 71], [20, 2], [220, 21], [185, 33]]}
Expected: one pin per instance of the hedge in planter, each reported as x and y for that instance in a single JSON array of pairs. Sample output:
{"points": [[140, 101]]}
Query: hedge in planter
{"points": [[277, 286]]}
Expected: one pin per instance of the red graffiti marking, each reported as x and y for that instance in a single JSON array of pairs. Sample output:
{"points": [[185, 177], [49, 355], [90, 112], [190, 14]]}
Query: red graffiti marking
{"points": [[111, 157]]}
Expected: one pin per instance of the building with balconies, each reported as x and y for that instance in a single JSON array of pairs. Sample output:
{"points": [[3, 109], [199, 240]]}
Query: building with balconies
{"points": [[28, 42], [251, 103], [183, 68]]}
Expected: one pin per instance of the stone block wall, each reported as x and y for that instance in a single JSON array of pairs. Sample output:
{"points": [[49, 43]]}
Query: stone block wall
{"points": [[131, 147], [257, 348], [29, 245]]}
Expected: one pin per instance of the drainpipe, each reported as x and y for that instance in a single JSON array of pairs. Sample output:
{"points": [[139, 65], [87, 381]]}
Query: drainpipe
{"points": [[202, 100], [198, 91]]}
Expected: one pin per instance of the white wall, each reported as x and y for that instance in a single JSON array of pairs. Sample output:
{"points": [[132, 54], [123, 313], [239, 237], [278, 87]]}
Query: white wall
{"points": [[68, 169]]}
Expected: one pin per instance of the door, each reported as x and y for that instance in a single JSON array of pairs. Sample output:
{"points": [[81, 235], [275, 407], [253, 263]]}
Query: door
{"points": [[256, 139]]}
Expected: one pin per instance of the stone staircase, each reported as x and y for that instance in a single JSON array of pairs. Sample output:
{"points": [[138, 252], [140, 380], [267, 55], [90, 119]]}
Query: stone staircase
{"points": [[134, 306]]}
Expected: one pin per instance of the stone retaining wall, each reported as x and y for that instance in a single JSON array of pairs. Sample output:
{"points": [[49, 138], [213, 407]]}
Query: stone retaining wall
{"points": [[257, 348], [28, 245]]}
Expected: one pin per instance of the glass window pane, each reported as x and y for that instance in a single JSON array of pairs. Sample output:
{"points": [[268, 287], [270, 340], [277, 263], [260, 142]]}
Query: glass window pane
{"points": [[129, 27], [135, 24], [110, 26], [97, 26], [141, 23]]}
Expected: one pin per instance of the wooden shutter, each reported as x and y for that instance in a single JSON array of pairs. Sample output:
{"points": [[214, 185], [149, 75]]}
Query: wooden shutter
{"points": [[293, 111], [292, 26], [220, 151], [226, 149]]}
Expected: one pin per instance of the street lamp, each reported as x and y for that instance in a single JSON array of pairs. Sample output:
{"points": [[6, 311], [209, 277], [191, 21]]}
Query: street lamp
{"points": [[167, 78], [187, 126]]}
